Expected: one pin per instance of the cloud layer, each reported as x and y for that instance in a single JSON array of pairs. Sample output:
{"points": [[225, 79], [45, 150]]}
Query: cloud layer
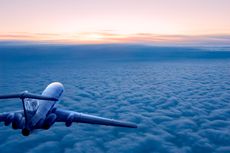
{"points": [[179, 106]]}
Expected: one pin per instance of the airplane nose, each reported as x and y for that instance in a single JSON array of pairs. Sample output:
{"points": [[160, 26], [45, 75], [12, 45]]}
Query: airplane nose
{"points": [[54, 89], [57, 84]]}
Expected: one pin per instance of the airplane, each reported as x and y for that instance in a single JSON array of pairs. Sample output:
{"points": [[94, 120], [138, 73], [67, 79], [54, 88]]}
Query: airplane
{"points": [[41, 112]]}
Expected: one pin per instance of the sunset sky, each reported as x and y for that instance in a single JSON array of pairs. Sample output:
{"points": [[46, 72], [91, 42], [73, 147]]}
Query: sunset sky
{"points": [[117, 21]]}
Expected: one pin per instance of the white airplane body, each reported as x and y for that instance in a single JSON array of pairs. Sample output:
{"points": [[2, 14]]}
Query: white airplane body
{"points": [[40, 112]]}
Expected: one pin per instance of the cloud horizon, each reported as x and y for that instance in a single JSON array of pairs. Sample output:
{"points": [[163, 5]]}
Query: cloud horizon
{"points": [[110, 38]]}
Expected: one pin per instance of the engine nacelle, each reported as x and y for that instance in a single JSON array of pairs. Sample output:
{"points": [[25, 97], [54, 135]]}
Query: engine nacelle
{"points": [[17, 121], [9, 119], [69, 120], [49, 121]]}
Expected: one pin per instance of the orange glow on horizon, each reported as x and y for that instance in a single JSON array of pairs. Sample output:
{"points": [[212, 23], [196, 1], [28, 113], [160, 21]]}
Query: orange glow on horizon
{"points": [[106, 38]]}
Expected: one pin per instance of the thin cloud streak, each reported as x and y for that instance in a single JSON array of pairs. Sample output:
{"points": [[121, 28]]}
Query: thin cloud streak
{"points": [[109, 37]]}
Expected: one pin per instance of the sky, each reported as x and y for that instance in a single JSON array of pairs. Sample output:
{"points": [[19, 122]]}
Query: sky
{"points": [[107, 21]]}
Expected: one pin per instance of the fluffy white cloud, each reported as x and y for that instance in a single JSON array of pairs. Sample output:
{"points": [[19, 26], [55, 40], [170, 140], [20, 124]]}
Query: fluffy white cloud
{"points": [[179, 106]]}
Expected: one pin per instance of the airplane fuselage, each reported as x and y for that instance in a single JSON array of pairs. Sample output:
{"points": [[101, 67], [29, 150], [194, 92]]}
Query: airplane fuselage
{"points": [[44, 109]]}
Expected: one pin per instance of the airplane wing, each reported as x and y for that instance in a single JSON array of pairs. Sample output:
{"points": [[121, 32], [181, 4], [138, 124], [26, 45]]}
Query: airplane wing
{"points": [[70, 116], [23, 95]]}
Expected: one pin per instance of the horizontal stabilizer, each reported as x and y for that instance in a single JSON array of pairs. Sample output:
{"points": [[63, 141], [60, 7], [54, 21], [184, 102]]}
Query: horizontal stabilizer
{"points": [[24, 95]]}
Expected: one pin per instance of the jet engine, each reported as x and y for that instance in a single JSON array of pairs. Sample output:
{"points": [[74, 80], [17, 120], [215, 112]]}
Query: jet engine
{"points": [[9, 119], [18, 121], [69, 120], [49, 121]]}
